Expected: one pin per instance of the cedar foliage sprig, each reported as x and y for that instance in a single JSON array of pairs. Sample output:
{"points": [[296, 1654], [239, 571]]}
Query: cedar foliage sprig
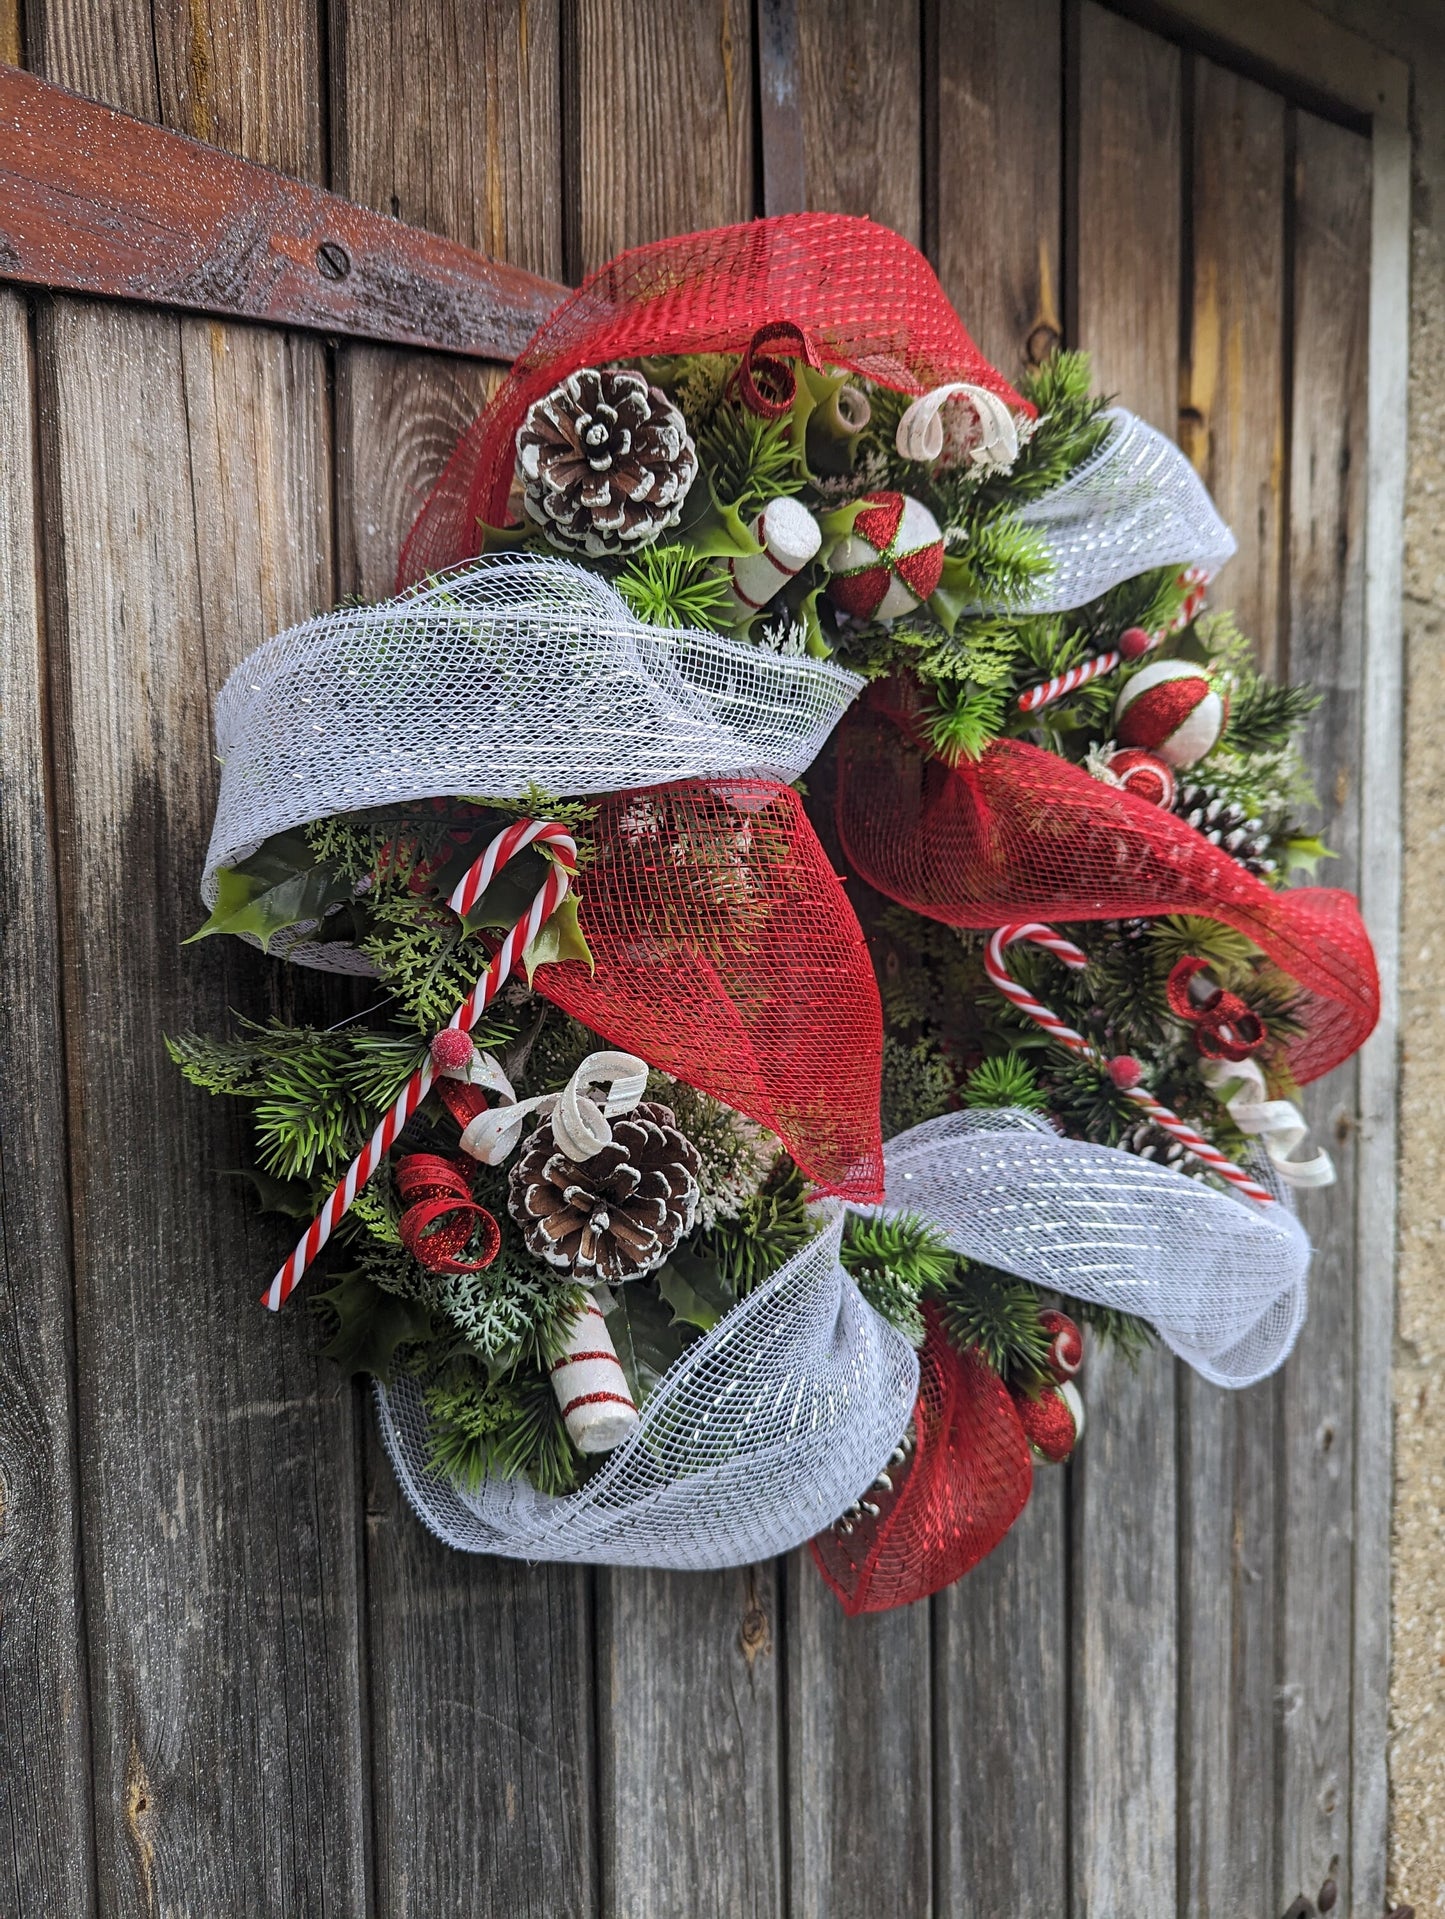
{"points": [[894, 1262], [511, 1428]]}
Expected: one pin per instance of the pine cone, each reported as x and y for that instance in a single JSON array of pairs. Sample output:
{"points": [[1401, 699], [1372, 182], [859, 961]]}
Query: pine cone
{"points": [[605, 462], [613, 1216], [1223, 824]]}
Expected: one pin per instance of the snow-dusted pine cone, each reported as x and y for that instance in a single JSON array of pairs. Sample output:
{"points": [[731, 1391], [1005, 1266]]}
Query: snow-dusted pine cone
{"points": [[604, 462], [1225, 825], [616, 1215]]}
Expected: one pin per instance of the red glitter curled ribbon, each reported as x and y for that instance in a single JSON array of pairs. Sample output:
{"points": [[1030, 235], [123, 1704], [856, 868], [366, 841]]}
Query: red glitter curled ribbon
{"points": [[434, 1189], [768, 385], [1225, 1028]]}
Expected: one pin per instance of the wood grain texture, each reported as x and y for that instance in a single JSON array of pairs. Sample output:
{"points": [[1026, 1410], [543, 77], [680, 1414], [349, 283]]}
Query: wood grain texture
{"points": [[1232, 381], [690, 1781], [1233, 423], [1326, 647], [999, 1774], [44, 1731], [97, 202], [659, 100], [780, 108], [448, 116], [1123, 1782], [859, 1755], [483, 1732], [863, 109], [481, 1669], [217, 1453], [1000, 1745], [1000, 121]]}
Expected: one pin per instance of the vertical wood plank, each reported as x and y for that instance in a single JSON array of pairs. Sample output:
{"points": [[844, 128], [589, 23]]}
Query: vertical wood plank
{"points": [[689, 1775], [1326, 647], [1000, 1785], [660, 100], [660, 107], [863, 109], [999, 198], [859, 1691], [1233, 420], [481, 1669], [187, 489], [1123, 1783], [44, 1722], [859, 1758]]}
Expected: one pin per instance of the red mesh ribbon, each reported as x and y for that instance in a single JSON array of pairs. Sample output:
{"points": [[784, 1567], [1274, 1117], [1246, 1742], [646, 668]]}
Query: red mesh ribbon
{"points": [[854, 294], [1022, 834], [966, 1482], [727, 955]]}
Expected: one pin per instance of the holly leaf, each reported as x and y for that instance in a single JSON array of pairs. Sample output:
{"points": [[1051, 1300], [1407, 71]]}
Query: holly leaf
{"points": [[1303, 854], [560, 939], [695, 1290], [647, 1338], [278, 887], [371, 1325], [293, 1197], [717, 530]]}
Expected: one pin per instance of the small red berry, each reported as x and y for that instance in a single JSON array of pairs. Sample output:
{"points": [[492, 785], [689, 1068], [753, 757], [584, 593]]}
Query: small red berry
{"points": [[1134, 642], [451, 1050], [1125, 1071]]}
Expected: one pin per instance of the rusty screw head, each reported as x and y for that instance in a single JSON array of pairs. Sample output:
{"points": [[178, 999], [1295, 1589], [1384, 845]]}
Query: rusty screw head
{"points": [[332, 260]]}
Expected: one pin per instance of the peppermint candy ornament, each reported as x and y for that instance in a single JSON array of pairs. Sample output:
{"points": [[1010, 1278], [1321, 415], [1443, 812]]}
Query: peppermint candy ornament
{"points": [[1143, 774], [1170, 708], [892, 559]]}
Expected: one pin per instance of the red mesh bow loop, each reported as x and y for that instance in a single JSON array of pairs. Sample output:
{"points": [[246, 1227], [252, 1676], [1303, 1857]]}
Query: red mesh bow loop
{"points": [[966, 1481], [1023, 834], [841, 290], [727, 955]]}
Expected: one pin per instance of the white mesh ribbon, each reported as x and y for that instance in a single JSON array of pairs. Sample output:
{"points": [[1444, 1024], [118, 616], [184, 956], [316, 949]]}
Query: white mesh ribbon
{"points": [[1135, 505], [762, 1432], [1221, 1280], [508, 672]]}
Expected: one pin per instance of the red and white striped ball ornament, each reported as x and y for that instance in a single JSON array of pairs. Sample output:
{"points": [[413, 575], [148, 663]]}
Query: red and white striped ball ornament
{"points": [[1143, 774], [892, 560], [1170, 708], [1053, 1423]]}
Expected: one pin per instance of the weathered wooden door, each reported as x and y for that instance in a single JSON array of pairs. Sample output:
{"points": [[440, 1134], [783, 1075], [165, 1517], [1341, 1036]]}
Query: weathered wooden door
{"points": [[236, 1675]]}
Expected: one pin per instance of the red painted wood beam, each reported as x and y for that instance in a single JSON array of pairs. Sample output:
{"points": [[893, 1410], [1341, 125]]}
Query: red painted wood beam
{"points": [[93, 201]]}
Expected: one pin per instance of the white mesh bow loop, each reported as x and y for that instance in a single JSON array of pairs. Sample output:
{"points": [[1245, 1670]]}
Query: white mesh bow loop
{"points": [[1135, 505], [1221, 1280], [508, 672], [761, 1433]]}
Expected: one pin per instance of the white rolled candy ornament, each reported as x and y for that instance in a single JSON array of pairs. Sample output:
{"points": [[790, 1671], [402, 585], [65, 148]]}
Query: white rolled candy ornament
{"points": [[597, 1406], [957, 423], [1170, 708], [790, 538]]}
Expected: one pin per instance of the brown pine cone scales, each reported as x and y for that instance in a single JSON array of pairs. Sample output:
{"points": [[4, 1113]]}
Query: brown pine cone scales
{"points": [[604, 462], [616, 1215]]}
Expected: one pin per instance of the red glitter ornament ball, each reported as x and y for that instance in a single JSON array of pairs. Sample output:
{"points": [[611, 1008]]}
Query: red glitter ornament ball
{"points": [[1066, 1344], [1170, 707], [1143, 774], [891, 560], [1049, 1423], [451, 1050]]}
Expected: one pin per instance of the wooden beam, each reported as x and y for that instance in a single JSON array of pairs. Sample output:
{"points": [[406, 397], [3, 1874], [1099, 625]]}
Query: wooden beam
{"points": [[93, 201]]}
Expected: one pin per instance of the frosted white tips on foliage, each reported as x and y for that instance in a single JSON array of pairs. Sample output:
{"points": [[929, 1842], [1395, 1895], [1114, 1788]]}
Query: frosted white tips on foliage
{"points": [[756, 1438], [510, 672], [1221, 1280], [1136, 505]]}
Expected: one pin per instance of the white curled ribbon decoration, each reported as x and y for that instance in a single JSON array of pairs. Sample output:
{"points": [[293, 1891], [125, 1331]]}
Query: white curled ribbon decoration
{"points": [[1277, 1124], [579, 1123], [920, 431]]}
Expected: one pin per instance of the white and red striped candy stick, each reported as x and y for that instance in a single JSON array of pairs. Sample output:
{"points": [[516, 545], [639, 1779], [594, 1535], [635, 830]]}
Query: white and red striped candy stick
{"points": [[475, 881], [1062, 684], [1044, 936]]}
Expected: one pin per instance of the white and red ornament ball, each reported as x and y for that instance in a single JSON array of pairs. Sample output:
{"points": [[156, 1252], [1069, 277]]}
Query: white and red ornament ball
{"points": [[890, 562], [1143, 774], [1170, 708]]}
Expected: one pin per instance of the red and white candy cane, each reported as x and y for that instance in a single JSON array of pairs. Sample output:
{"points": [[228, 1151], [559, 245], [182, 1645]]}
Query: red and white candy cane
{"points": [[1133, 645], [1044, 936], [475, 881]]}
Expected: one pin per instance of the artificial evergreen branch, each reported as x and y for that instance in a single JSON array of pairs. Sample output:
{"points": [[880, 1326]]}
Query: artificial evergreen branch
{"points": [[894, 1262]]}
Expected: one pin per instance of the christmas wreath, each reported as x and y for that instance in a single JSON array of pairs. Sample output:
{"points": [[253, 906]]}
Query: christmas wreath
{"points": [[666, 1240]]}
